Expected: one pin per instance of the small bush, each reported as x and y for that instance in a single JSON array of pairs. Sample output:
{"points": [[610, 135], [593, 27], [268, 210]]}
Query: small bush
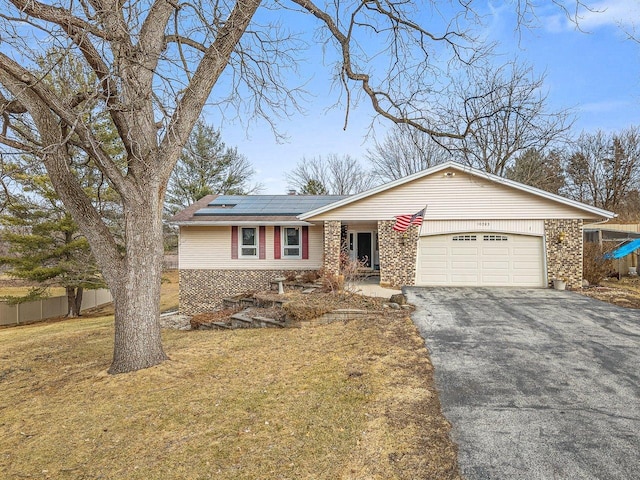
{"points": [[303, 312], [332, 283], [594, 267], [290, 275], [310, 277]]}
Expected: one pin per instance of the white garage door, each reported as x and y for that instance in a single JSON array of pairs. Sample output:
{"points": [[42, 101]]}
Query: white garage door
{"points": [[480, 259]]}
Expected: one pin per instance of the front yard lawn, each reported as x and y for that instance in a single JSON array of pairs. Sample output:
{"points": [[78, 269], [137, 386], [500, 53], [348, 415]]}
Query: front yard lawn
{"points": [[352, 400]]}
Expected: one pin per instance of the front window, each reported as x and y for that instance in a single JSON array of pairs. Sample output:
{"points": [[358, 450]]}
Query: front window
{"points": [[249, 242], [291, 242]]}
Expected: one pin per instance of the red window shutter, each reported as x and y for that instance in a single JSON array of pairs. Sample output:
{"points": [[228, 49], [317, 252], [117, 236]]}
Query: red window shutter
{"points": [[262, 242], [234, 242], [305, 243], [276, 243]]}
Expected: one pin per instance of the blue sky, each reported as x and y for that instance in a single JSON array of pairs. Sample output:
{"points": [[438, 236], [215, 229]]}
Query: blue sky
{"points": [[595, 71]]}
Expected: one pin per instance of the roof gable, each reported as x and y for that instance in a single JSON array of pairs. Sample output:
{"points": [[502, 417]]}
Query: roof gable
{"points": [[451, 189]]}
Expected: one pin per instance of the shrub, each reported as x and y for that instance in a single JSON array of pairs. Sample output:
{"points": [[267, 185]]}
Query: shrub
{"points": [[310, 277], [332, 283], [594, 266], [290, 275]]}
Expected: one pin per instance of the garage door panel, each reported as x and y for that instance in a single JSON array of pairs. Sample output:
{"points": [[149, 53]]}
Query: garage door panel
{"points": [[495, 251], [465, 278], [524, 264], [434, 251], [494, 270], [435, 268], [461, 264], [494, 281], [459, 251], [491, 259], [526, 250]]}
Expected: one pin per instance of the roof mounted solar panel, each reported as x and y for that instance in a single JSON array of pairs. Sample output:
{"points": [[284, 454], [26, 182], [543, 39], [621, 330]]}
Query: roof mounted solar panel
{"points": [[260, 205]]}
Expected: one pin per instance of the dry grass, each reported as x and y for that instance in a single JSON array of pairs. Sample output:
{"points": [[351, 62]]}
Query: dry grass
{"points": [[15, 287], [348, 400], [168, 301], [170, 291], [624, 292], [301, 307]]}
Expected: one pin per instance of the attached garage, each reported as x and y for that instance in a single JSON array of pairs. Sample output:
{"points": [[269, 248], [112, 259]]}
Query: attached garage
{"points": [[475, 229], [481, 259]]}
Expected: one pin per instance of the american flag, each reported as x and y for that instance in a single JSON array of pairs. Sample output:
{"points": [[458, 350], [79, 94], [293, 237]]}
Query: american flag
{"points": [[405, 221]]}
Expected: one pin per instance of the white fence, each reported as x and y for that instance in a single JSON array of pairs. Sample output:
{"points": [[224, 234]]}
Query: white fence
{"points": [[29, 312]]}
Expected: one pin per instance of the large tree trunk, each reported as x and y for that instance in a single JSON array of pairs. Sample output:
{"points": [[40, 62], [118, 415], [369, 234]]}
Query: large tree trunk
{"points": [[74, 301], [136, 293]]}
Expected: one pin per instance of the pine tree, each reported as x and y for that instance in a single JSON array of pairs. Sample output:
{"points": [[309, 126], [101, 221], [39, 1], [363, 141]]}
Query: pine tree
{"points": [[44, 243], [207, 166]]}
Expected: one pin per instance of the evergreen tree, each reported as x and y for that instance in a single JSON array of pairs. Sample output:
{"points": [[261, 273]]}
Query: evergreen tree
{"points": [[207, 166], [314, 187], [44, 243], [538, 169]]}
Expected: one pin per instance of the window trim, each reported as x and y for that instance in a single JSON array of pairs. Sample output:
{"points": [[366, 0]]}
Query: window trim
{"points": [[284, 246], [256, 245]]}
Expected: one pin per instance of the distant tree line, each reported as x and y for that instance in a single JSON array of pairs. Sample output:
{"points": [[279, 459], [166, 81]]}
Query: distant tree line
{"points": [[598, 168]]}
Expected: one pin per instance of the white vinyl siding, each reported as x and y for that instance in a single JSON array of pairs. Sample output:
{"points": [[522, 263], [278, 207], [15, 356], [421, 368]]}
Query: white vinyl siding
{"points": [[480, 259], [461, 197], [210, 248], [526, 227]]}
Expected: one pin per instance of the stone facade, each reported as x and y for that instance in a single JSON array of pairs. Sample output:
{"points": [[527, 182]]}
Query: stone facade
{"points": [[332, 246], [398, 254], [203, 290], [564, 251]]}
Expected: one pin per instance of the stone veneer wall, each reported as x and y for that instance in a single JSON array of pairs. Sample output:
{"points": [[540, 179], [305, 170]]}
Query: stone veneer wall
{"points": [[564, 259], [398, 254], [203, 290], [332, 238]]}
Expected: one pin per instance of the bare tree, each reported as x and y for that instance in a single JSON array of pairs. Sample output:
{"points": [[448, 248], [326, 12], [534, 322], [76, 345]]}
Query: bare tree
{"points": [[604, 169], [155, 66], [404, 151], [507, 113], [332, 175], [503, 111]]}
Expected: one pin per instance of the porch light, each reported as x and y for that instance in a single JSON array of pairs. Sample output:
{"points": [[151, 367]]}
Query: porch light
{"points": [[562, 236]]}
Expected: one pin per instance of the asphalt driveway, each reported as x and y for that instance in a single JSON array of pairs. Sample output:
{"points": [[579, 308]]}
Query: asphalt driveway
{"points": [[537, 383]]}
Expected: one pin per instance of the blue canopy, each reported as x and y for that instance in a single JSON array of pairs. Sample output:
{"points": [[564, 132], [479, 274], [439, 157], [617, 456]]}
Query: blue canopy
{"points": [[624, 250]]}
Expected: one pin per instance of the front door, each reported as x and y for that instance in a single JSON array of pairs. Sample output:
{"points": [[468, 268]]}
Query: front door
{"points": [[364, 248]]}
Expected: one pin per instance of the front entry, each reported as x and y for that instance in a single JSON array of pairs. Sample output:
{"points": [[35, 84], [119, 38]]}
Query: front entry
{"points": [[364, 248]]}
